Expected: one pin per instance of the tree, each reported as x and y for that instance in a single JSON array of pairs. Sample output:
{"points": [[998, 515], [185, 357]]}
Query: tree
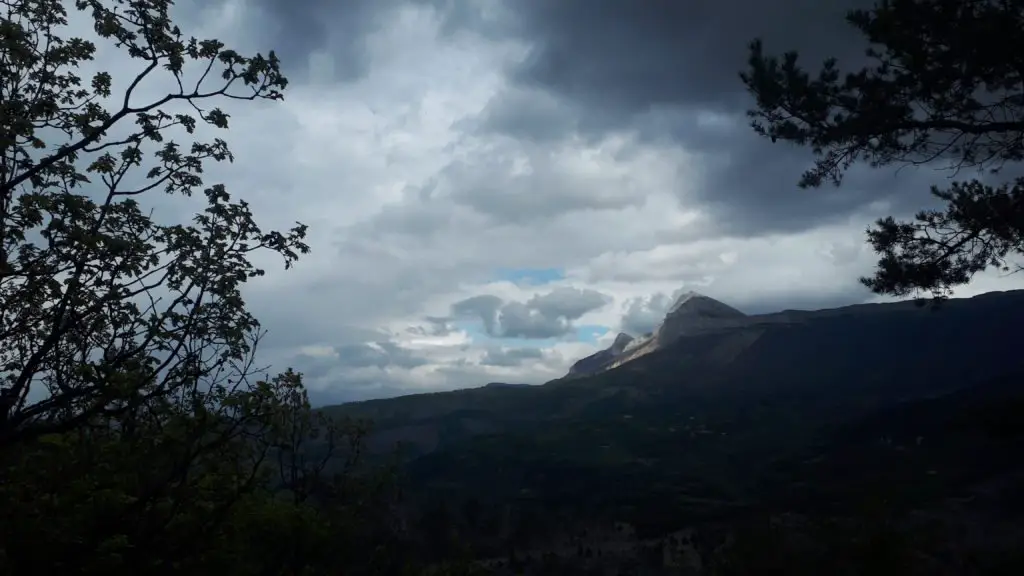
{"points": [[124, 343], [946, 83], [135, 436], [102, 308]]}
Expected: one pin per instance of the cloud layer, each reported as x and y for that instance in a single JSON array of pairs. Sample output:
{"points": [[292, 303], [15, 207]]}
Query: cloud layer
{"points": [[494, 189]]}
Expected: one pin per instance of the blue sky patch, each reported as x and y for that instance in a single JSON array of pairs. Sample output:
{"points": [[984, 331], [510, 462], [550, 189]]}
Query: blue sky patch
{"points": [[590, 333], [531, 276], [474, 328]]}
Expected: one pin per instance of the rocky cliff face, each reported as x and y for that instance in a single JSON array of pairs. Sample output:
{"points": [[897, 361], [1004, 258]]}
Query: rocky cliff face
{"points": [[693, 313], [600, 360], [622, 341]]}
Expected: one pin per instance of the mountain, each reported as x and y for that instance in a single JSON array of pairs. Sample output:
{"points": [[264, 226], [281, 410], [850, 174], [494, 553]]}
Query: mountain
{"points": [[692, 313], [602, 358], [723, 416]]}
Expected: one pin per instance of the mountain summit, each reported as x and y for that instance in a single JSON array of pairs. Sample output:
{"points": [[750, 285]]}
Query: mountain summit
{"points": [[693, 312], [697, 304], [622, 341]]}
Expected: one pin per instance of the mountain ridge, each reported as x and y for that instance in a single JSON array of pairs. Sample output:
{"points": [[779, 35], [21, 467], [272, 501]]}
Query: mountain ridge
{"points": [[690, 312], [693, 313], [595, 362], [752, 324], [795, 410]]}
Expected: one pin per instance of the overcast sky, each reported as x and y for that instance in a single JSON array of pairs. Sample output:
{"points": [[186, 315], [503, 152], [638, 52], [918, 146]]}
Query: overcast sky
{"points": [[495, 189]]}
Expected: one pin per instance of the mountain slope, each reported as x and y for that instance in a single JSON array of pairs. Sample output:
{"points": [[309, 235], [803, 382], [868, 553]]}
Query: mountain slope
{"points": [[689, 315], [898, 348], [719, 420], [601, 359]]}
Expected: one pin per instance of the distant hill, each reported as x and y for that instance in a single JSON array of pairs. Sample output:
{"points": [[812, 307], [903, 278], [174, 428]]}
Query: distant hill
{"points": [[726, 413], [504, 385]]}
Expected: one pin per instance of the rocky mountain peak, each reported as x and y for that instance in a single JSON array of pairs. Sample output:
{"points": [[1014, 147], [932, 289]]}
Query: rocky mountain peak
{"points": [[696, 304], [694, 312], [620, 343]]}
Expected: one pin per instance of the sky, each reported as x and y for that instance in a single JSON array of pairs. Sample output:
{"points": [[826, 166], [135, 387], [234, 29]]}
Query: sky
{"points": [[495, 189]]}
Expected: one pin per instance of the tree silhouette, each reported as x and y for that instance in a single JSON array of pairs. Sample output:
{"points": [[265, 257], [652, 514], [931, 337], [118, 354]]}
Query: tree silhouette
{"points": [[946, 85], [104, 308], [135, 434]]}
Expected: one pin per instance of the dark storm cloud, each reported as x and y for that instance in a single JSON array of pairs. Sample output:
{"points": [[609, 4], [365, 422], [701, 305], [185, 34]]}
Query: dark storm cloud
{"points": [[659, 67], [518, 320], [628, 56], [748, 184], [669, 70], [485, 307], [547, 315], [568, 303], [298, 29], [528, 114]]}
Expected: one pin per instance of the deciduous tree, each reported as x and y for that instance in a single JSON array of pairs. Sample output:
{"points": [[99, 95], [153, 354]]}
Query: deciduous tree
{"points": [[135, 434], [103, 308]]}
